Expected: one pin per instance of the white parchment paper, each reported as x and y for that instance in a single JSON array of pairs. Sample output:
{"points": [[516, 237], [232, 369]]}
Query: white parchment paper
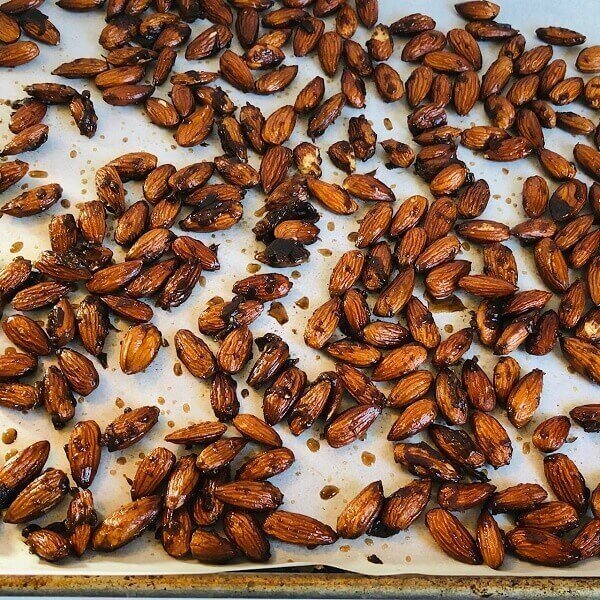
{"points": [[72, 160]]}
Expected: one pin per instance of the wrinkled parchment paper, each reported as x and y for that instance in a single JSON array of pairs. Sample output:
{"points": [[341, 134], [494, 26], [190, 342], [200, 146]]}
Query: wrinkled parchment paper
{"points": [[72, 160]]}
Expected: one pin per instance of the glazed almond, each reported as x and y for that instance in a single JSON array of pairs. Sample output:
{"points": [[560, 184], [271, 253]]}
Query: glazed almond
{"points": [[250, 495], [360, 512], [266, 465], [126, 523], [194, 354], [538, 546], [83, 452], [406, 504], [566, 481], [520, 497], [452, 537], [130, 427], [21, 469], [40, 496], [139, 348], [295, 528], [246, 535], [153, 469]]}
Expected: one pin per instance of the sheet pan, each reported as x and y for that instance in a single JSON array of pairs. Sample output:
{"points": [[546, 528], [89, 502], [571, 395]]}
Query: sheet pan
{"points": [[71, 160]]}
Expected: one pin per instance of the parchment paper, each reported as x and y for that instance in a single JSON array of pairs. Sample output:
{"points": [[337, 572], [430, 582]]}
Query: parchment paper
{"points": [[72, 160]]}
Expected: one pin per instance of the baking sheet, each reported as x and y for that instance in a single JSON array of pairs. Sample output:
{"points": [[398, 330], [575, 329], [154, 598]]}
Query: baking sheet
{"points": [[71, 160]]}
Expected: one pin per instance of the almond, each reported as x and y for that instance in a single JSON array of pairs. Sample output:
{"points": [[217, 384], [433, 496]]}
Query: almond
{"points": [[295, 528], [37, 498], [406, 504], [490, 540], [360, 513], [452, 537], [540, 547], [126, 523], [83, 452], [21, 469], [566, 481], [492, 438], [130, 427]]}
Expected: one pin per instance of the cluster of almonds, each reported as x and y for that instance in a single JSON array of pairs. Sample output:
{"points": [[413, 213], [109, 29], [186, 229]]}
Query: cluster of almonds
{"points": [[23, 16], [188, 495], [26, 120], [78, 256]]}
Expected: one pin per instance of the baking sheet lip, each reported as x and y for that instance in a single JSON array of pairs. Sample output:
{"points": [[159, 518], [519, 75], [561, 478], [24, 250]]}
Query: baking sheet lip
{"points": [[290, 584], [378, 571]]}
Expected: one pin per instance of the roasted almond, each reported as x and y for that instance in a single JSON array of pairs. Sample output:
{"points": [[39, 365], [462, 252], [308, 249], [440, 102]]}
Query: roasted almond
{"points": [[126, 523], [452, 537], [295, 528], [37, 498]]}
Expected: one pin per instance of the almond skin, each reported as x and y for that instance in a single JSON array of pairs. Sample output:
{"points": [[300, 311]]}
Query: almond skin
{"points": [[346, 272], [194, 354], [266, 465], [450, 351], [506, 375], [524, 398], [198, 433], [492, 438], [396, 295], [462, 496], [79, 370], [359, 386], [256, 429], [416, 417], [476, 10], [351, 424], [209, 547], [235, 350], [322, 323], [57, 397], [457, 445], [556, 517], [479, 389], [274, 355], [409, 213], [250, 495], [246, 535], [182, 483], [19, 396], [450, 397], [47, 544], [583, 356], [399, 362], [587, 540], [282, 394], [422, 460], [544, 335], [586, 416]]}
